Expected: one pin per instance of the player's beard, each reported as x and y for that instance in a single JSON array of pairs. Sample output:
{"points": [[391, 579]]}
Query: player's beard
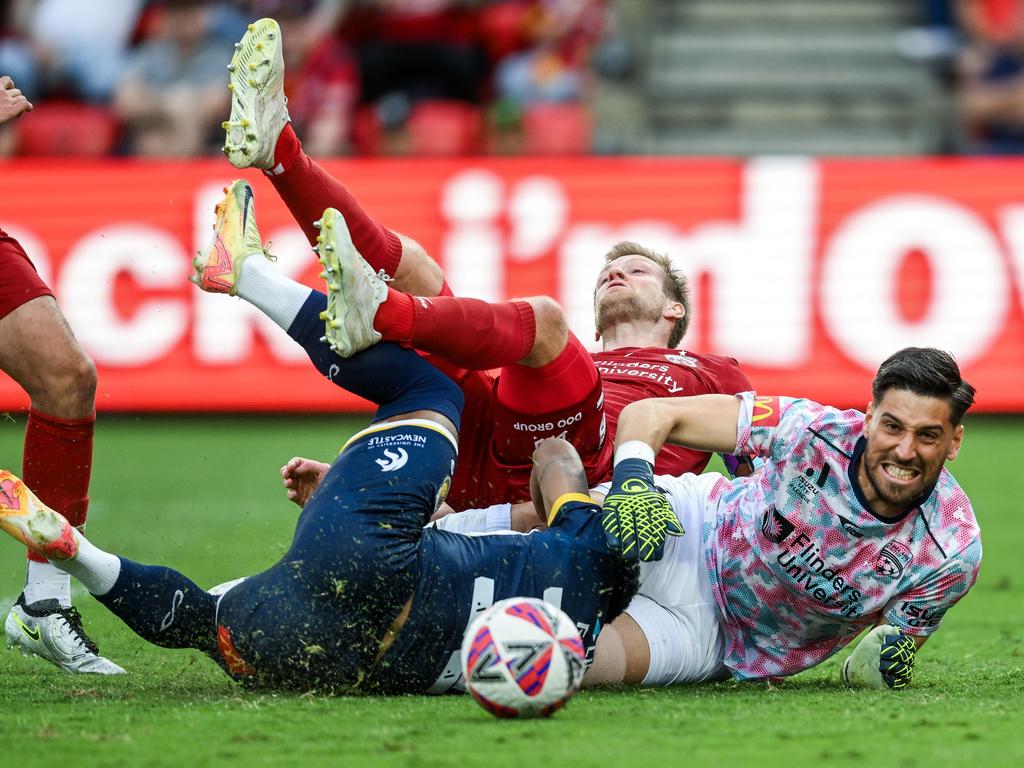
{"points": [[628, 308], [900, 496]]}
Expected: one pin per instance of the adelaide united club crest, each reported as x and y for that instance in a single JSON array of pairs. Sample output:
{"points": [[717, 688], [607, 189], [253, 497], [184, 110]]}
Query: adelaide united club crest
{"points": [[894, 557]]}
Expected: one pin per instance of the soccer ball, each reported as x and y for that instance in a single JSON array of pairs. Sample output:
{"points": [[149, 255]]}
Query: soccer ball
{"points": [[522, 657]]}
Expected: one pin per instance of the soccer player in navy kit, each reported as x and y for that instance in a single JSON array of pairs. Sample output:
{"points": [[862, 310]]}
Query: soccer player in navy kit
{"points": [[364, 599]]}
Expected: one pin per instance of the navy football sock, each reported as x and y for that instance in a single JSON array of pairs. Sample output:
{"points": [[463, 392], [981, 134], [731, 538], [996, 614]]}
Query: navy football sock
{"points": [[162, 606], [396, 379]]}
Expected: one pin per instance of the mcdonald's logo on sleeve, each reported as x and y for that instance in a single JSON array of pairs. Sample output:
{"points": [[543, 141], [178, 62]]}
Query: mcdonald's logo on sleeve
{"points": [[766, 412]]}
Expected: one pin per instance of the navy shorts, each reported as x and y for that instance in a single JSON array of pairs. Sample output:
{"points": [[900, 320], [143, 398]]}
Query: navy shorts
{"points": [[568, 565], [315, 619]]}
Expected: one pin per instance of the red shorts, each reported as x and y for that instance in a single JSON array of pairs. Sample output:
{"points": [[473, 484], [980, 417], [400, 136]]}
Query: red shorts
{"points": [[496, 443], [19, 281]]}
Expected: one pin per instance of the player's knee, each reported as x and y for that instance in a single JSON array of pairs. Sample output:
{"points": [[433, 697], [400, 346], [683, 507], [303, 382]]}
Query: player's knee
{"points": [[68, 389], [549, 315], [552, 331], [81, 379]]}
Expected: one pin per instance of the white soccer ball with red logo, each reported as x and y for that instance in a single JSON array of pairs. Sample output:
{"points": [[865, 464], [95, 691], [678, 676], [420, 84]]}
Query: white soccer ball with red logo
{"points": [[522, 657]]}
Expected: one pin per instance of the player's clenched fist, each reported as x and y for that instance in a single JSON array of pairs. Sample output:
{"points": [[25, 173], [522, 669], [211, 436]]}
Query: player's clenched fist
{"points": [[12, 100], [636, 516], [883, 659]]}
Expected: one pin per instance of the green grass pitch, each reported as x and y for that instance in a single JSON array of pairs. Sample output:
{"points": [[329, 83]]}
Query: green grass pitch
{"points": [[204, 496]]}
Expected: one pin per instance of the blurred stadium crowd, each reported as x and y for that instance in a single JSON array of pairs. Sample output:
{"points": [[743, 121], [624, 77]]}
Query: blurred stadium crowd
{"points": [[424, 77], [984, 41], [365, 77]]}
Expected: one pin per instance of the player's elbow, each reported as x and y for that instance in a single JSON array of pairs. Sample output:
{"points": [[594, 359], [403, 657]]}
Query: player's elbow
{"points": [[557, 469], [554, 449], [641, 413]]}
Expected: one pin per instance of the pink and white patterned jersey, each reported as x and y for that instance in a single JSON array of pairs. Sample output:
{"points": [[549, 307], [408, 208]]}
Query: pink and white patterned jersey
{"points": [[800, 565]]}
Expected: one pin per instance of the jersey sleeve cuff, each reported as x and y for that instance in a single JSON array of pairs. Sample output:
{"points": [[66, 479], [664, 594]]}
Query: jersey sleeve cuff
{"points": [[567, 498]]}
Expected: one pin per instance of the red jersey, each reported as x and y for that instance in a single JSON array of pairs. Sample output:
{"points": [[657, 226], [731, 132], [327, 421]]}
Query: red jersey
{"points": [[495, 443], [636, 373]]}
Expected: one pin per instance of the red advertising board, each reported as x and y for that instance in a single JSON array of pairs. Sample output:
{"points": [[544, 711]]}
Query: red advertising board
{"points": [[808, 271]]}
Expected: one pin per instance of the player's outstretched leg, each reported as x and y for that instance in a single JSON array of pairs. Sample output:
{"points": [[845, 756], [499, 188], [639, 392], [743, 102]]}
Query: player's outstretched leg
{"points": [[357, 293], [225, 267], [157, 603], [361, 308], [354, 289], [259, 109], [235, 238], [258, 135], [46, 628]]}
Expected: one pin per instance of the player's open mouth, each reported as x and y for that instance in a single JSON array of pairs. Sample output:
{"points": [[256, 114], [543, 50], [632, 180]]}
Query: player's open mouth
{"points": [[898, 473]]}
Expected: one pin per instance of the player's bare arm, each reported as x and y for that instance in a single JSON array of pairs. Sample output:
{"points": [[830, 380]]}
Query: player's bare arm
{"points": [[704, 422], [557, 470], [12, 101]]}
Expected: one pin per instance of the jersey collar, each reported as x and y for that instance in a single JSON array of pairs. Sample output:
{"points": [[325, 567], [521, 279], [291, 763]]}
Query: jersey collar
{"points": [[851, 471]]}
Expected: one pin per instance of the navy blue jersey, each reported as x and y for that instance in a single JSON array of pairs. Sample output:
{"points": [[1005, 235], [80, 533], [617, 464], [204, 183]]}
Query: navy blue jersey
{"points": [[315, 619], [567, 565]]}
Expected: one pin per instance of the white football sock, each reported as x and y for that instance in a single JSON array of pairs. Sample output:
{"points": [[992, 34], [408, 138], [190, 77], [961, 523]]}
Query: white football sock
{"points": [[44, 581], [95, 569], [278, 297]]}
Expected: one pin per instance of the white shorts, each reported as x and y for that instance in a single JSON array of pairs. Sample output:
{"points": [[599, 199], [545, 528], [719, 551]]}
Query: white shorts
{"points": [[675, 606]]}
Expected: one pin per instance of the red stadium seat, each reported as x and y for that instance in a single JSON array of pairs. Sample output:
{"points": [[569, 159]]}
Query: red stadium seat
{"points": [[505, 26], [556, 129], [66, 129], [445, 129]]}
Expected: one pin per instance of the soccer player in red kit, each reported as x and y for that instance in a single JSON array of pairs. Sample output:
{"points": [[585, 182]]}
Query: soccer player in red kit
{"points": [[38, 350], [549, 385]]}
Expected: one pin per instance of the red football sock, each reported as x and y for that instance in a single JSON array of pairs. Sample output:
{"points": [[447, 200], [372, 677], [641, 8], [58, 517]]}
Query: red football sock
{"points": [[57, 463], [286, 150], [468, 332], [307, 190]]}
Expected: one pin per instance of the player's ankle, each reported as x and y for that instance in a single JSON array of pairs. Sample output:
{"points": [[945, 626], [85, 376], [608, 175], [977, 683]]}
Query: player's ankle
{"points": [[46, 581], [396, 317], [286, 151]]}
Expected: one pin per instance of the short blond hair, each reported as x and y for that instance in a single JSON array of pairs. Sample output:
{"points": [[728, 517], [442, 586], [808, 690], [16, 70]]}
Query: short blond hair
{"points": [[675, 285]]}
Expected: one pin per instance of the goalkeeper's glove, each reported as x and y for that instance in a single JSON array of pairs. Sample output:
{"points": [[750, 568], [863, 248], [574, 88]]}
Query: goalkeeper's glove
{"points": [[636, 516], [884, 658]]}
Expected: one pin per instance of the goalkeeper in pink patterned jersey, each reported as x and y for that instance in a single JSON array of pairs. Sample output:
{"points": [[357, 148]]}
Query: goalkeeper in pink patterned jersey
{"points": [[853, 523]]}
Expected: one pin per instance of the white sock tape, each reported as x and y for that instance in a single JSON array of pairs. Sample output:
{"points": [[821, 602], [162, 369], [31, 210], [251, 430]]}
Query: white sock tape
{"points": [[635, 449]]}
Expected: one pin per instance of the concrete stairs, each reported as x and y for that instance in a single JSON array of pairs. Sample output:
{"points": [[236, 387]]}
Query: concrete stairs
{"points": [[743, 77]]}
